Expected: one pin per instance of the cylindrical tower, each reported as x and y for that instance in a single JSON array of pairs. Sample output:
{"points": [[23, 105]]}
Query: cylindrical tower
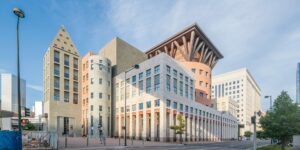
{"points": [[99, 90]]}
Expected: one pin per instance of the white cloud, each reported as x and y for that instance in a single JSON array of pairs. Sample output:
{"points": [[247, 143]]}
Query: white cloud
{"points": [[260, 35], [35, 87]]}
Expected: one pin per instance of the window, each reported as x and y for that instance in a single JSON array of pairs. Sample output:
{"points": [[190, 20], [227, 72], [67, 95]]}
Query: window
{"points": [[148, 72], [193, 70], [127, 109], [181, 88], [100, 95], [168, 69], [117, 91], [75, 75], [75, 98], [66, 86], [191, 110], [133, 107], [156, 103], [168, 83], [200, 71], [156, 82], [168, 103], [141, 88], [148, 85], [100, 108], [56, 82], [122, 109], [133, 79], [186, 109], [186, 80], [186, 91], [141, 106], [56, 69], [206, 73], [156, 69], [201, 94], [200, 83], [100, 81], [191, 92], [175, 85], [66, 61], [127, 88], [174, 105], [108, 97], [75, 63], [92, 107], [56, 56], [66, 75], [66, 96], [181, 76], [56, 95], [92, 80], [133, 89], [181, 107], [75, 86], [141, 76], [174, 73], [148, 104], [92, 95]]}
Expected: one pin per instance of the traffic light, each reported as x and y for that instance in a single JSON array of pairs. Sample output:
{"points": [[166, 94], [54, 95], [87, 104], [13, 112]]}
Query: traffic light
{"points": [[253, 119], [27, 112]]}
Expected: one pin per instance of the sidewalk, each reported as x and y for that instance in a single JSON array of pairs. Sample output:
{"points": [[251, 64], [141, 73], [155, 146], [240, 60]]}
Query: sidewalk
{"points": [[84, 143]]}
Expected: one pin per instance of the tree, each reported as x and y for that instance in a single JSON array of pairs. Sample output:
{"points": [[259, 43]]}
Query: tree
{"points": [[179, 129], [260, 135], [283, 121], [29, 126], [248, 134]]}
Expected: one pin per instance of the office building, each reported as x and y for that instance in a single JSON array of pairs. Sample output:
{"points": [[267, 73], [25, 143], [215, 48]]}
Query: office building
{"points": [[9, 99], [156, 94], [62, 80], [227, 104], [241, 87], [38, 109], [96, 95]]}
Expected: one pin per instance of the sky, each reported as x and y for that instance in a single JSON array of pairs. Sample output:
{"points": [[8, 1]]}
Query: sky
{"points": [[260, 35]]}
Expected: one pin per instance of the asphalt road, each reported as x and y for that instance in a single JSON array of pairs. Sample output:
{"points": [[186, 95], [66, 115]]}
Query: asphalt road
{"points": [[232, 145]]}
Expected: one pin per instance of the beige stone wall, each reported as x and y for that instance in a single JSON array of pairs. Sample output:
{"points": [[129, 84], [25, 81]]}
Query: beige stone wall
{"points": [[122, 55], [57, 109]]}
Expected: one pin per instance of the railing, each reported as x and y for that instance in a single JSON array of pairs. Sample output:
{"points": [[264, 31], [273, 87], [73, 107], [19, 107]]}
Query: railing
{"points": [[39, 139]]}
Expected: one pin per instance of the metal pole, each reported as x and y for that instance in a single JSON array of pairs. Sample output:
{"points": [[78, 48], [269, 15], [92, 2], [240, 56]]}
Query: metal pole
{"points": [[18, 82], [125, 137], [254, 134], [270, 102]]}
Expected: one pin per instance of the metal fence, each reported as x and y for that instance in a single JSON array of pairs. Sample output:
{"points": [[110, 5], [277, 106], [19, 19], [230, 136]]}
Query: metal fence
{"points": [[39, 139]]}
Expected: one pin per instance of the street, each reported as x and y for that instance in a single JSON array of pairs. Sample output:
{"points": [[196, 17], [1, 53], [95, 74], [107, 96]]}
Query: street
{"points": [[232, 145]]}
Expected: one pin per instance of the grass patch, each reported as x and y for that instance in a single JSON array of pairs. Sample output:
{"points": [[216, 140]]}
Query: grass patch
{"points": [[274, 147]]}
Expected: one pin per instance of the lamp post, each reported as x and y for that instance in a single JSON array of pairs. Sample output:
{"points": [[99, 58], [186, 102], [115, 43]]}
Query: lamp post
{"points": [[269, 96], [20, 14], [136, 66]]}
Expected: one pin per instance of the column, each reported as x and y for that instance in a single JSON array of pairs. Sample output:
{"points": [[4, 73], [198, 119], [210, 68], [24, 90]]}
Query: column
{"points": [[162, 122], [152, 122]]}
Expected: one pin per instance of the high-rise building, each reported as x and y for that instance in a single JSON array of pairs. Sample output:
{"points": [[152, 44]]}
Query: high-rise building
{"points": [[9, 99], [38, 109], [193, 49], [96, 95], [298, 84], [62, 80], [227, 104], [241, 87]]}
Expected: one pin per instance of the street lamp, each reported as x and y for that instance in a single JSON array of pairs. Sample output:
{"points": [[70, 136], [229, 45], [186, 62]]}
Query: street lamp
{"points": [[269, 96], [136, 66], [20, 14]]}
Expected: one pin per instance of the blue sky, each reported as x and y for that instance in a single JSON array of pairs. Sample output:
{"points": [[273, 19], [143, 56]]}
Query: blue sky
{"points": [[261, 35]]}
